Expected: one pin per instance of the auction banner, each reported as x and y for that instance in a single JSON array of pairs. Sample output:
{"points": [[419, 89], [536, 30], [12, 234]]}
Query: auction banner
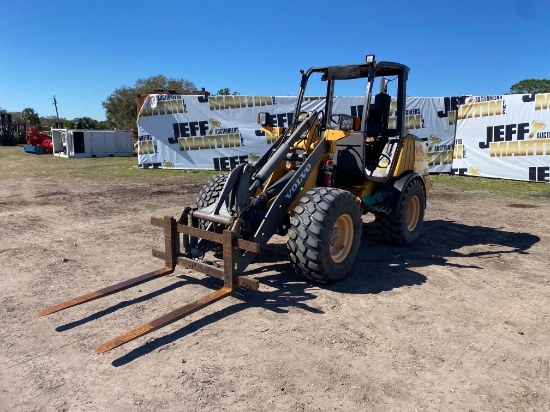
{"points": [[428, 118], [209, 133], [220, 132], [504, 136]]}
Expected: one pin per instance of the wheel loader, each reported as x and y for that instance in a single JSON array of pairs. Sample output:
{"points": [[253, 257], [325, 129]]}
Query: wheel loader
{"points": [[324, 170]]}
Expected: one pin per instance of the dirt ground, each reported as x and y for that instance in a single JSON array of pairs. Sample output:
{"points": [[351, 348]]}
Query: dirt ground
{"points": [[459, 321]]}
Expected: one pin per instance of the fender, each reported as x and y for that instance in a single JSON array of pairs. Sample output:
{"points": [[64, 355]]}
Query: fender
{"points": [[388, 197], [398, 187]]}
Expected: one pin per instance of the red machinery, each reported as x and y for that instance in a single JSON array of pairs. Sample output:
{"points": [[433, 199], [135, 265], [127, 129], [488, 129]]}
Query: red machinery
{"points": [[41, 139]]}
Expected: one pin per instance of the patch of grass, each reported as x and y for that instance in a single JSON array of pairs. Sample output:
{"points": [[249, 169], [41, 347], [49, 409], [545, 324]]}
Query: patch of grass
{"points": [[499, 187], [15, 163]]}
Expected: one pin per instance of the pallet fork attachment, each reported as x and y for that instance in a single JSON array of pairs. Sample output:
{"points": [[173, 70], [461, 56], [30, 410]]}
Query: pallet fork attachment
{"points": [[173, 256]]}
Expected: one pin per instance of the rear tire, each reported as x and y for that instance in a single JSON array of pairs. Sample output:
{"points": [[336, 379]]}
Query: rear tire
{"points": [[405, 226], [325, 234]]}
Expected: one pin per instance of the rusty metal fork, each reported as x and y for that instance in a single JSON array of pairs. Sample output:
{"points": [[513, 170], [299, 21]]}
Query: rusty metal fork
{"points": [[232, 246]]}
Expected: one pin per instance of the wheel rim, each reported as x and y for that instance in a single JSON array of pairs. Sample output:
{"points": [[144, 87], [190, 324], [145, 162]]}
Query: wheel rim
{"points": [[341, 238], [413, 213]]}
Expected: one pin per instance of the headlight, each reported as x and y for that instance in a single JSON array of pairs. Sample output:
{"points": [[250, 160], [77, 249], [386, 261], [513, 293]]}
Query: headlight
{"points": [[263, 119], [346, 123], [349, 123]]}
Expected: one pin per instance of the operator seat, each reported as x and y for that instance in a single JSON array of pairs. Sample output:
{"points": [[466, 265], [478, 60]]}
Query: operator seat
{"points": [[357, 157], [377, 123], [377, 128]]}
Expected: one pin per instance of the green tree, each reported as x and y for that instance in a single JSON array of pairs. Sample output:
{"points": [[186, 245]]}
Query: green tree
{"points": [[31, 116], [529, 86], [102, 124], [17, 117], [87, 122], [48, 121], [226, 92], [120, 106], [67, 124], [161, 83]]}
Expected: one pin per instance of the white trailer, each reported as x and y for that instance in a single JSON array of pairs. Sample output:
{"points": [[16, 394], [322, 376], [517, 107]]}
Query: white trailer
{"points": [[92, 143]]}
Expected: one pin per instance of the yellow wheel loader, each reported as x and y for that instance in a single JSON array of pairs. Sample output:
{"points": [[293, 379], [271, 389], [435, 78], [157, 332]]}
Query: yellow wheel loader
{"points": [[322, 173]]}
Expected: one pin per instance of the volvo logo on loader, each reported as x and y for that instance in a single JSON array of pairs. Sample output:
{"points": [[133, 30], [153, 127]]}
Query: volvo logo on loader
{"points": [[298, 183]]}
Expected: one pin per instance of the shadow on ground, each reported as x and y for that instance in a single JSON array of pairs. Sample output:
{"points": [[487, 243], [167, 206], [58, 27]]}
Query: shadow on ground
{"points": [[379, 267]]}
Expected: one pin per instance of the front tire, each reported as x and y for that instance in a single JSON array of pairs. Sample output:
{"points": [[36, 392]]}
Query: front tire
{"points": [[404, 227], [325, 234], [209, 194]]}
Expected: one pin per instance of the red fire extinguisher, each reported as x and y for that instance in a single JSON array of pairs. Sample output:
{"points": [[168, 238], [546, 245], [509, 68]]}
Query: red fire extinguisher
{"points": [[327, 175]]}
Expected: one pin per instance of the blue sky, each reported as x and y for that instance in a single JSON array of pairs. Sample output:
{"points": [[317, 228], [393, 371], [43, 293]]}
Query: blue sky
{"points": [[81, 51]]}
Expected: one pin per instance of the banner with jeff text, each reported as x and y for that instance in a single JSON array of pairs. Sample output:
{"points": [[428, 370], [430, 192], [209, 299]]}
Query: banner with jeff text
{"points": [[504, 136], [220, 132]]}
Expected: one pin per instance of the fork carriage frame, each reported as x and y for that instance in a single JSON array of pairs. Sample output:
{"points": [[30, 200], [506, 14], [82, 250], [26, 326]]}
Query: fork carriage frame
{"points": [[174, 254]]}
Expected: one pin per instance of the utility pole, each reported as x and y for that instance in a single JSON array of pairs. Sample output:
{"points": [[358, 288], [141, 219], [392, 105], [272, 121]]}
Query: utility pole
{"points": [[55, 104]]}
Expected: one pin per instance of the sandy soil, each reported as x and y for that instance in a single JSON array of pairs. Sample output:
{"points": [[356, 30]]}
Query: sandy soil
{"points": [[457, 322]]}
